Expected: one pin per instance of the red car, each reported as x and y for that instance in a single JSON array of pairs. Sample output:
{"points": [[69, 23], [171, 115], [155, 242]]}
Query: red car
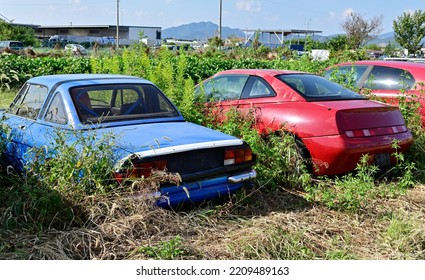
{"points": [[387, 79], [334, 126]]}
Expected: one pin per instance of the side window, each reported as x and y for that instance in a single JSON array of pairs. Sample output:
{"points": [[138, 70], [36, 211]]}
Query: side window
{"points": [[226, 87], [56, 111], [346, 74], [29, 101], [259, 88], [387, 78], [295, 83]]}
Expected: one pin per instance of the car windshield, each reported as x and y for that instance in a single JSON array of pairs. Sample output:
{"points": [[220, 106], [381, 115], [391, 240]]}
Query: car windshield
{"points": [[315, 88], [108, 103]]}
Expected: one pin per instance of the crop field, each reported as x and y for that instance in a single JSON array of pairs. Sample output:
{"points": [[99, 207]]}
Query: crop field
{"points": [[287, 213]]}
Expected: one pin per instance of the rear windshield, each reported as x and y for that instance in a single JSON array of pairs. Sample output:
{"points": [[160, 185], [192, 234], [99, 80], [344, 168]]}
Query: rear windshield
{"points": [[314, 88], [108, 103]]}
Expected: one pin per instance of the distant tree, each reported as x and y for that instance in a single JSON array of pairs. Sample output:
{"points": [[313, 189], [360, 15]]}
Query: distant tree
{"points": [[337, 43], [256, 43], [18, 33], [5, 30], [390, 49], [409, 30], [359, 30], [216, 42], [373, 47]]}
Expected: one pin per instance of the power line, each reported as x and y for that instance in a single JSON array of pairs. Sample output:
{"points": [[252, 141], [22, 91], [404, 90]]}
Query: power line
{"points": [[6, 19]]}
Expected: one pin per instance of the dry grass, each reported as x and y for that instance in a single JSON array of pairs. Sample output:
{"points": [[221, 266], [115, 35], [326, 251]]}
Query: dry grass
{"points": [[268, 225]]}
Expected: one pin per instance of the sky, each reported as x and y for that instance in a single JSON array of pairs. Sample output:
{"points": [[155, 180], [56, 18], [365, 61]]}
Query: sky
{"points": [[321, 15]]}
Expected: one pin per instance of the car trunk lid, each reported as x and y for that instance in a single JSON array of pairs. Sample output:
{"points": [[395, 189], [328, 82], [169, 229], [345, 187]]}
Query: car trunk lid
{"points": [[370, 121]]}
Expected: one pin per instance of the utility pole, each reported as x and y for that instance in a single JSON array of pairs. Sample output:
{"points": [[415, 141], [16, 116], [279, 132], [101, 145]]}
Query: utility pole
{"points": [[219, 24], [118, 25]]}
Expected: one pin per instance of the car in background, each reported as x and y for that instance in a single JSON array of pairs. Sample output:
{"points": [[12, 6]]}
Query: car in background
{"points": [[384, 78], [333, 126], [152, 135], [75, 49], [13, 45]]}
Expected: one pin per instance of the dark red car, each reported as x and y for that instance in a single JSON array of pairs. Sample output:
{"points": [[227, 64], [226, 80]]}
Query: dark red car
{"points": [[386, 79], [333, 125]]}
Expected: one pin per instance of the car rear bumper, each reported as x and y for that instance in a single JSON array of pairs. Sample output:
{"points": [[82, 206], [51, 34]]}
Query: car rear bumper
{"points": [[333, 155], [208, 189]]}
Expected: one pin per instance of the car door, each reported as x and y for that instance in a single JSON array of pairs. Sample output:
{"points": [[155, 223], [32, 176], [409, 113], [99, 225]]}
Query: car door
{"points": [[19, 119]]}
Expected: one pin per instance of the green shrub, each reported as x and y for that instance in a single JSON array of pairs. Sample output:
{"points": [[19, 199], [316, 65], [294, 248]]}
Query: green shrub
{"points": [[166, 250], [355, 191], [54, 188], [15, 69]]}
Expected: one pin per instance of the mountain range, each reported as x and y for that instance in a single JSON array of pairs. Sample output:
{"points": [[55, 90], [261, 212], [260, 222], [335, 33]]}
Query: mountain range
{"points": [[201, 31]]}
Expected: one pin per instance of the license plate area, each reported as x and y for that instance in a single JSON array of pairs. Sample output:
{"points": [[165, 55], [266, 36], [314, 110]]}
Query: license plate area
{"points": [[383, 160]]}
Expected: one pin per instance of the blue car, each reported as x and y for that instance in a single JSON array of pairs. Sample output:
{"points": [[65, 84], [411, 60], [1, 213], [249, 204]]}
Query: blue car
{"points": [[151, 133]]}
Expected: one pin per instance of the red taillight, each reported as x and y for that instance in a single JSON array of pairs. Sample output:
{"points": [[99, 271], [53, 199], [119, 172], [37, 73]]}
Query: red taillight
{"points": [[235, 156], [141, 169], [375, 131]]}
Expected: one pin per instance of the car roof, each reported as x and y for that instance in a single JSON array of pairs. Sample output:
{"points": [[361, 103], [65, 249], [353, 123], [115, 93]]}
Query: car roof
{"points": [[258, 72], [51, 80], [11, 41], [390, 63]]}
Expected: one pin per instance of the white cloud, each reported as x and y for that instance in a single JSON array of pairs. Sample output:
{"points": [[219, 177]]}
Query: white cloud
{"points": [[76, 5], [348, 12], [52, 8], [409, 12], [248, 5], [140, 13]]}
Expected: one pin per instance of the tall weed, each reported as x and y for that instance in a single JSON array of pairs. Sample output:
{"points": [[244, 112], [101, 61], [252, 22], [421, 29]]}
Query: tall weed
{"points": [[279, 163], [54, 188]]}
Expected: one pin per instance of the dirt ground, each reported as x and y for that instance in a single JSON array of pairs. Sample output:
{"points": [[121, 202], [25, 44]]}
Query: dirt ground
{"points": [[270, 225]]}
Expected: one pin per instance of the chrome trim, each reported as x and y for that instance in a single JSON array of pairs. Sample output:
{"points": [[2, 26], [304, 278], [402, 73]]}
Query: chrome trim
{"points": [[242, 177]]}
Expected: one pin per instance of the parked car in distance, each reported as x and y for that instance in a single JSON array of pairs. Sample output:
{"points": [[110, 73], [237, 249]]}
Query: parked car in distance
{"points": [[386, 79], [13, 45], [334, 126], [75, 49], [151, 133]]}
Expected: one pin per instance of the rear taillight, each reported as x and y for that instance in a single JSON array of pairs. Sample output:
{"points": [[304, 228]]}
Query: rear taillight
{"points": [[141, 169], [235, 156], [369, 132]]}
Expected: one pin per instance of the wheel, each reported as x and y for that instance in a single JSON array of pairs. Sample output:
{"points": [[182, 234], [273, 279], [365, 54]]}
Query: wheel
{"points": [[303, 156]]}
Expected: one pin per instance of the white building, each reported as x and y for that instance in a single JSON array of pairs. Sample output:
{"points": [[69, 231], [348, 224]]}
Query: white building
{"points": [[91, 33]]}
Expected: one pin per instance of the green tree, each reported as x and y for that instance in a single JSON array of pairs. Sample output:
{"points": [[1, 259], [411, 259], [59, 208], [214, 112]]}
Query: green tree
{"points": [[359, 30], [337, 43], [18, 33], [409, 30], [390, 49], [216, 42]]}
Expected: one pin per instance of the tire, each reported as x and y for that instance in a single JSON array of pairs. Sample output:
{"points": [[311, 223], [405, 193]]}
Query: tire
{"points": [[303, 156]]}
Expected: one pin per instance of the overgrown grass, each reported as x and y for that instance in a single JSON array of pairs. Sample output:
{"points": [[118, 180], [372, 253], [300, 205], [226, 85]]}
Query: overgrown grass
{"points": [[54, 188], [6, 97]]}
